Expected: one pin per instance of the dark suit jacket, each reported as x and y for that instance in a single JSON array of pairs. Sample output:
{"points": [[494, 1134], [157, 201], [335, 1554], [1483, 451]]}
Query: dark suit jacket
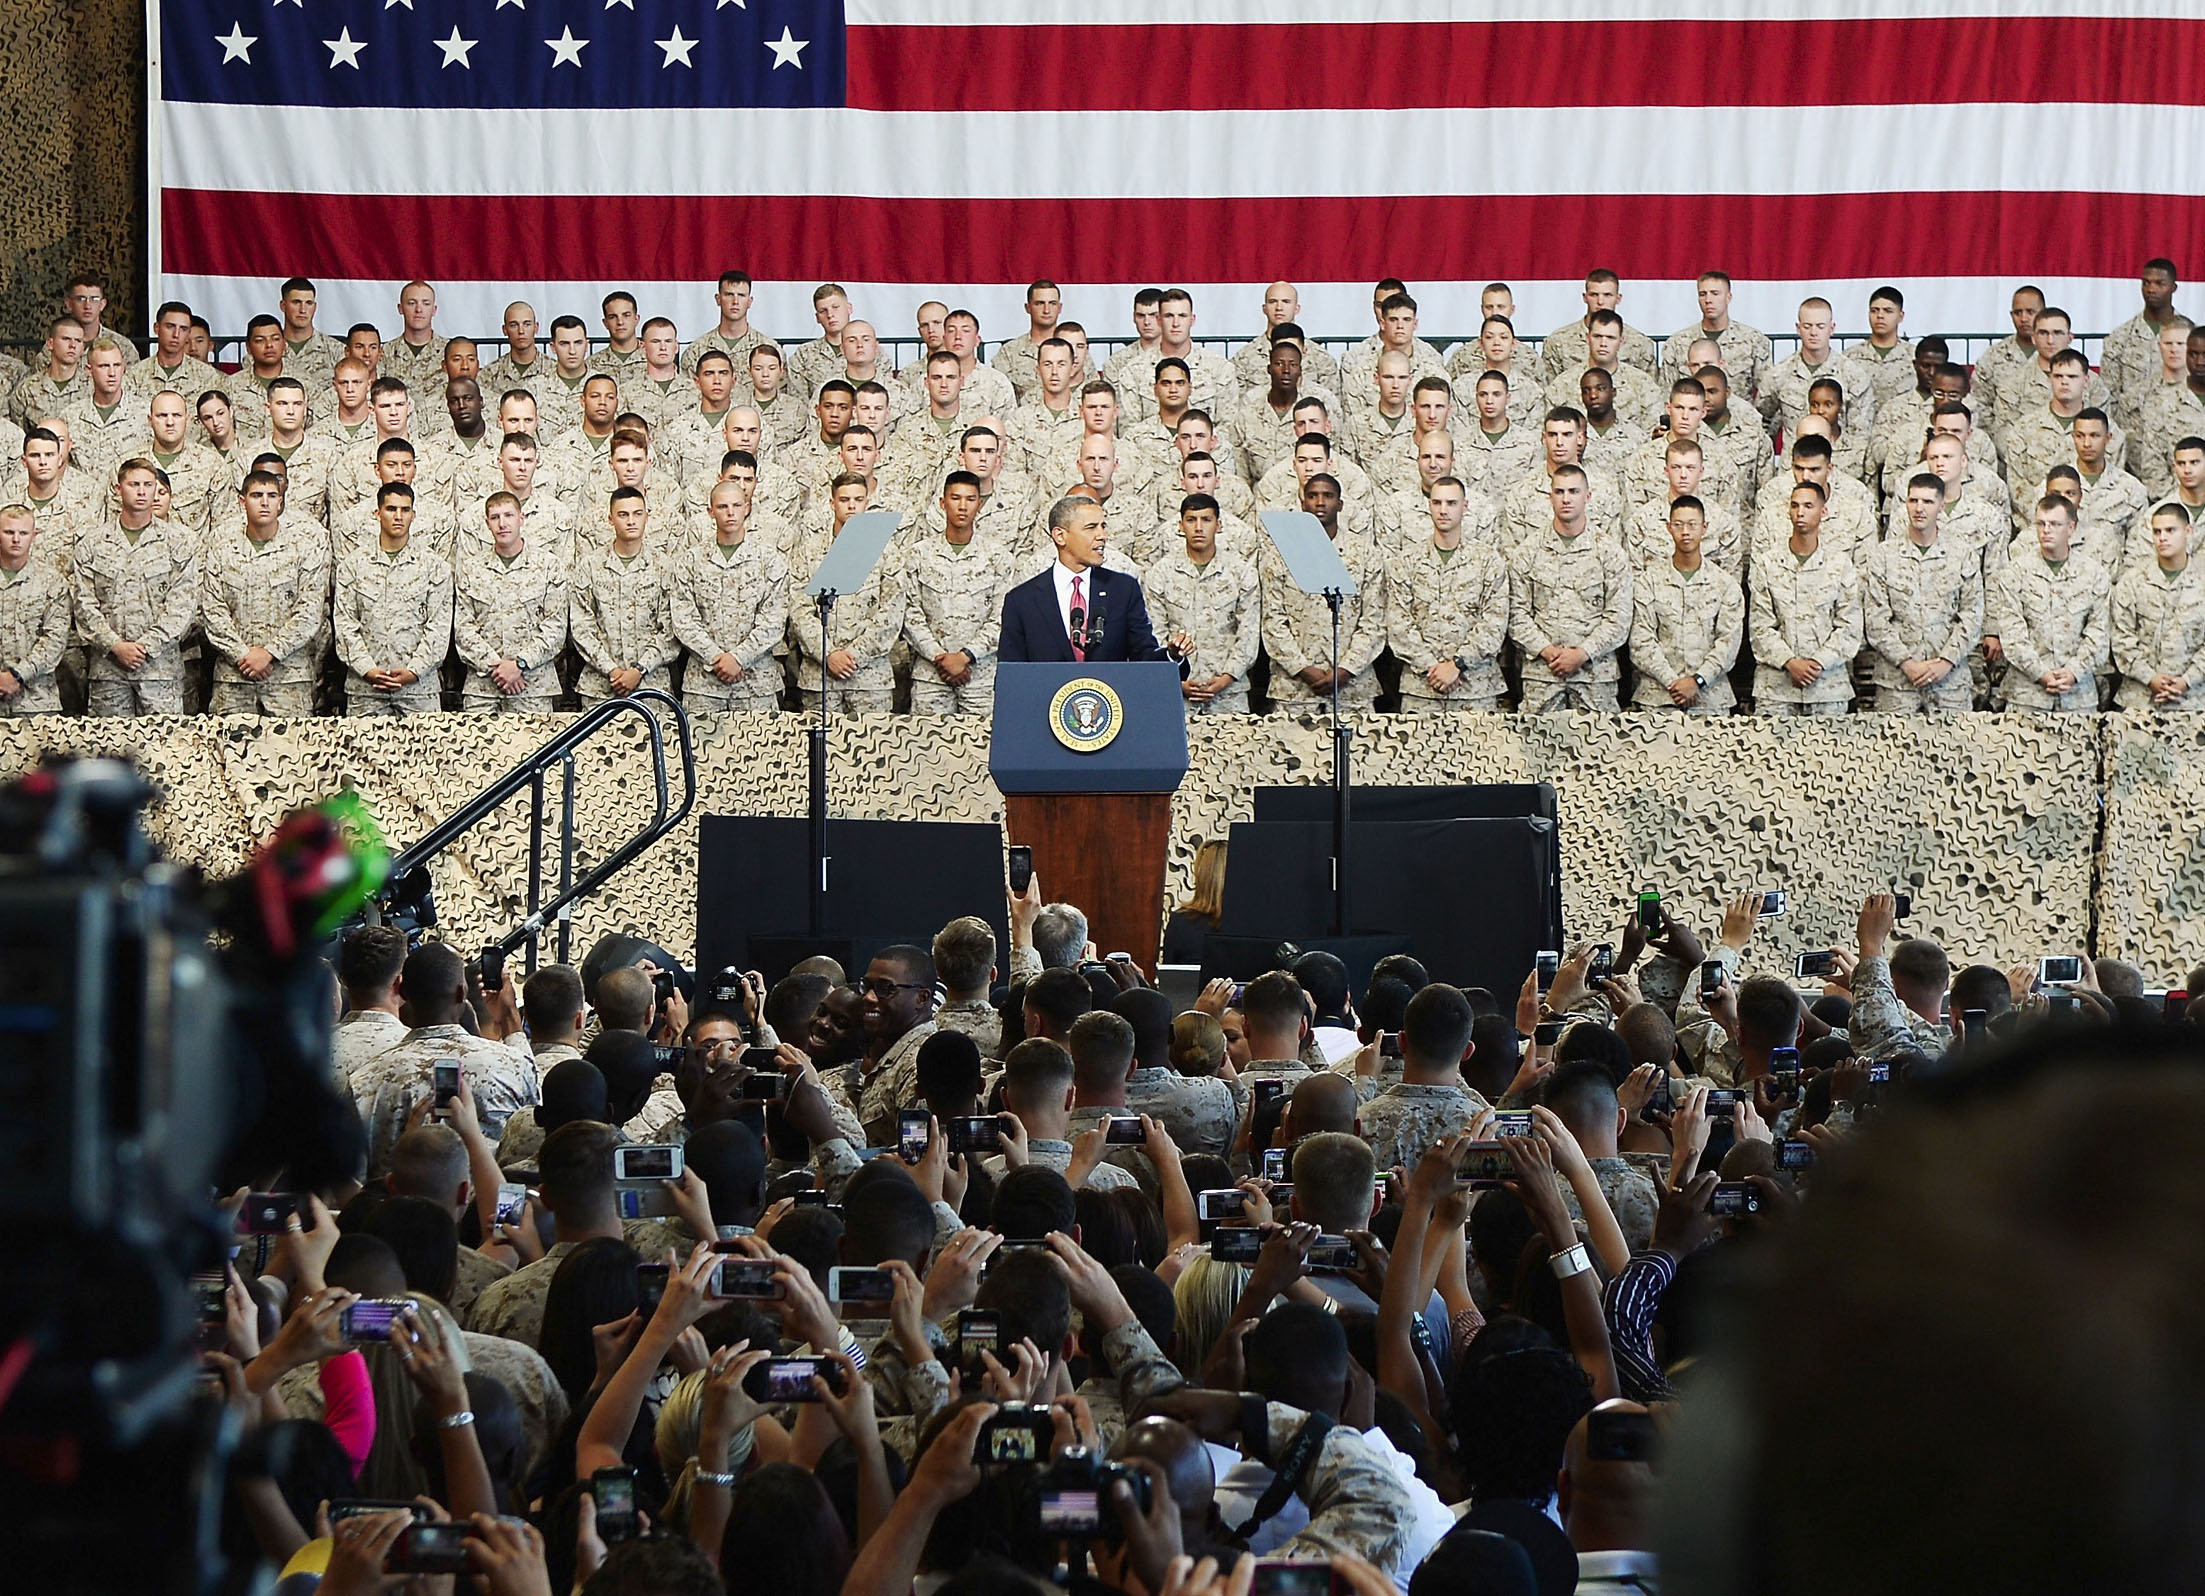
{"points": [[1033, 628]]}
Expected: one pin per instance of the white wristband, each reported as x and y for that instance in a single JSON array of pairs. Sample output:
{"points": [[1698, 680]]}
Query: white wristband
{"points": [[1573, 1262]]}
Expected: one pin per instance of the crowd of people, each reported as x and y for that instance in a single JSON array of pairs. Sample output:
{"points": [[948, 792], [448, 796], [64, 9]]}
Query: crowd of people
{"points": [[1590, 519], [983, 1272]]}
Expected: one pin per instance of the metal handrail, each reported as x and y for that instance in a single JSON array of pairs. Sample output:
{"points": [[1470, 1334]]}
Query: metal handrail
{"points": [[530, 773]]}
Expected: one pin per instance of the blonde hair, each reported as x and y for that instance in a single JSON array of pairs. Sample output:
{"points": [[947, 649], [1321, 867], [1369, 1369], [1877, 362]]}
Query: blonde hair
{"points": [[1197, 1043], [1203, 1298], [1208, 899]]}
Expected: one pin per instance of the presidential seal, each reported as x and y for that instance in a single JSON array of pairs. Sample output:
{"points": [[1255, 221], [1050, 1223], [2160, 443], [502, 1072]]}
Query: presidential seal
{"points": [[1085, 715]]}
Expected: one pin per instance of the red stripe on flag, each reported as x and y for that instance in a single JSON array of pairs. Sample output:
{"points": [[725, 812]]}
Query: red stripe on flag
{"points": [[514, 238], [1695, 63]]}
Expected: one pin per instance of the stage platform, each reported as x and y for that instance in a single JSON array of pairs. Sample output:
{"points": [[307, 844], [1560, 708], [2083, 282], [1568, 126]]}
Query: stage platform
{"points": [[1993, 821]]}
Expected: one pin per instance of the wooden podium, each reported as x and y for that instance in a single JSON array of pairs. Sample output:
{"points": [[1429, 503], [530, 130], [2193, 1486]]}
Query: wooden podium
{"points": [[1087, 758]]}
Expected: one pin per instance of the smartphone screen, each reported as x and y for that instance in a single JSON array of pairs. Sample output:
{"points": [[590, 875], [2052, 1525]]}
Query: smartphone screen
{"points": [[1221, 1202], [1021, 869], [613, 1493], [1548, 963], [647, 1163], [1240, 1244], [1123, 1130], [369, 1320], [978, 1330], [748, 1280], [511, 1197], [860, 1285], [445, 1080], [1649, 912], [914, 1129], [1274, 1163], [650, 1285]]}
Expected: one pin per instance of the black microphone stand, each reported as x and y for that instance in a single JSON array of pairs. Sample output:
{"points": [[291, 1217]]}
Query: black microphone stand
{"points": [[1341, 777], [816, 738]]}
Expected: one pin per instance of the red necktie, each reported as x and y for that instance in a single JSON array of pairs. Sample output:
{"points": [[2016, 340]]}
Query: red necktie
{"points": [[1079, 623]]}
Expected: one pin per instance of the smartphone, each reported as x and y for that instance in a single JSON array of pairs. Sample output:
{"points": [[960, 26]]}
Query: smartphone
{"points": [[1616, 1437], [644, 1202], [1774, 902], [210, 1298], [1548, 962], [748, 1280], [1722, 1101], [1389, 1044], [1902, 905], [978, 1330], [1486, 1164], [2178, 1003], [1711, 979], [1815, 966], [1296, 1578], [1268, 1087], [444, 1080], [975, 1133], [492, 968], [1225, 1202], [1017, 1433], [1975, 1024], [662, 982], [1333, 1255], [1274, 1163], [653, 1161], [1784, 1068], [1547, 1033], [765, 1083], [368, 1321], [914, 1129], [613, 1492], [1795, 1156], [511, 1198], [1734, 1198], [816, 1197], [845, 1284], [1240, 1244], [1649, 912], [790, 1379], [1879, 1073], [2060, 969], [268, 1213], [650, 1285], [1603, 962], [363, 1507], [1021, 869], [1513, 1122], [429, 1549], [1123, 1130]]}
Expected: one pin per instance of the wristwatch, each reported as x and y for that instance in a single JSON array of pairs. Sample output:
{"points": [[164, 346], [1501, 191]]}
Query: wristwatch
{"points": [[1461, 665]]}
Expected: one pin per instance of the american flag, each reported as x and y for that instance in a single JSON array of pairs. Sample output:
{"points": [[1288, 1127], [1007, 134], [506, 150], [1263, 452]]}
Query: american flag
{"points": [[558, 148]]}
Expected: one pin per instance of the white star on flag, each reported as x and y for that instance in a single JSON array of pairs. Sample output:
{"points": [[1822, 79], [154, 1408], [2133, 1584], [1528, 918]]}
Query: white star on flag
{"points": [[455, 49], [502, 4], [740, 5], [239, 45], [677, 49], [609, 4], [344, 50], [387, 4], [566, 50], [787, 50]]}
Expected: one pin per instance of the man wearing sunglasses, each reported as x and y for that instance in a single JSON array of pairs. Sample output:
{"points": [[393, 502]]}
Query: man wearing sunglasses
{"points": [[897, 1000]]}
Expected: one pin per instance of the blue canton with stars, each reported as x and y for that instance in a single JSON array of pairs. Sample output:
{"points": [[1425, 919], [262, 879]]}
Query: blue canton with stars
{"points": [[504, 54]]}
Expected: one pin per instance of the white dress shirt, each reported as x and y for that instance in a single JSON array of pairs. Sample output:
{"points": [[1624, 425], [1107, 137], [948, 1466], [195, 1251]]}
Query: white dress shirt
{"points": [[1063, 575]]}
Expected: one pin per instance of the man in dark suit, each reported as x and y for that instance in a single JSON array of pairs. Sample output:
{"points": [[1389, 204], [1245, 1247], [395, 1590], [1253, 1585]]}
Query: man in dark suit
{"points": [[1078, 611]]}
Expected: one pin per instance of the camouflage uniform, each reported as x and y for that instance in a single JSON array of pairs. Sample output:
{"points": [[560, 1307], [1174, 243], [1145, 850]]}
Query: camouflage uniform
{"points": [[419, 366], [1198, 1111], [34, 633], [511, 609], [1493, 463], [38, 395], [1783, 396], [1297, 627], [1747, 355], [2049, 618], [1527, 511], [953, 603], [1646, 476], [1406, 1120], [101, 440], [199, 480], [866, 623], [1646, 537], [622, 617], [272, 595], [1921, 603], [2129, 362], [1567, 346], [313, 362], [732, 601], [1220, 606], [1804, 609], [1251, 364], [393, 612], [1638, 398], [1445, 605], [1575, 592], [513, 1308], [500, 1079], [2159, 626], [191, 377], [1685, 624], [140, 589], [1848, 518], [1882, 374], [2040, 439]]}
